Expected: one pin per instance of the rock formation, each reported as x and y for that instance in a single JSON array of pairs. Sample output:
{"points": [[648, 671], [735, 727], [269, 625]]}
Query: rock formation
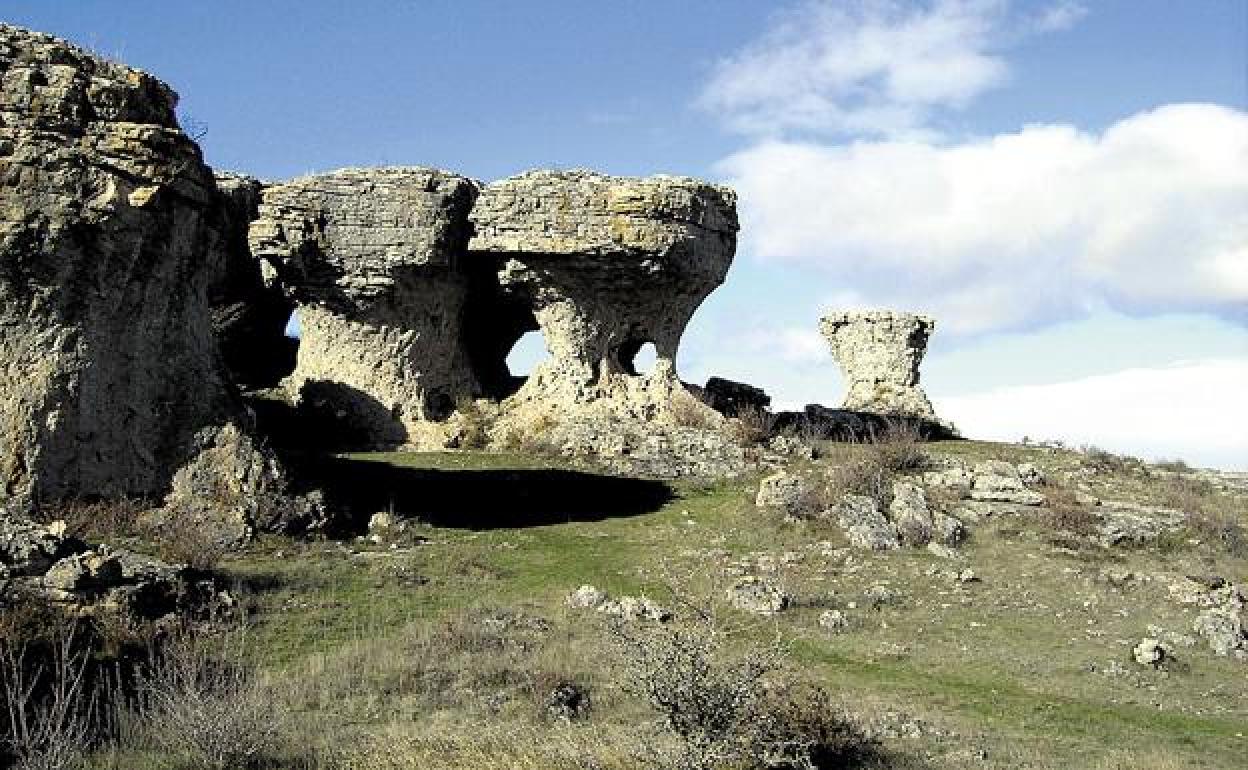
{"points": [[879, 353], [607, 264], [373, 258], [109, 239]]}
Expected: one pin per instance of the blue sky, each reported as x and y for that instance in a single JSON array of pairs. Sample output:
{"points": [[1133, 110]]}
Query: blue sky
{"points": [[1063, 185]]}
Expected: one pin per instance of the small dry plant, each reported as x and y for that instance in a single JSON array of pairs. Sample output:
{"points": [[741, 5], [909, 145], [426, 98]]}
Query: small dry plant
{"points": [[96, 519], [752, 426], [473, 424], [871, 470], [49, 709], [1063, 512], [724, 700], [689, 411], [202, 699], [192, 541]]}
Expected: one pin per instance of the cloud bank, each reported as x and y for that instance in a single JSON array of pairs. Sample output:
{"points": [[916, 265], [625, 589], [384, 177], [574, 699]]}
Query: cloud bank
{"points": [[1017, 229], [1193, 411], [848, 172]]}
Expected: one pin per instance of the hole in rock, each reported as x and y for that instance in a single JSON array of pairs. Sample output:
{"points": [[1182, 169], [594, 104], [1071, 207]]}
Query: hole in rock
{"points": [[525, 355], [637, 357], [293, 329]]}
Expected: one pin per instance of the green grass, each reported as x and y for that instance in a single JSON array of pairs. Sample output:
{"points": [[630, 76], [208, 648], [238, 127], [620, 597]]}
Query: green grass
{"points": [[1002, 662]]}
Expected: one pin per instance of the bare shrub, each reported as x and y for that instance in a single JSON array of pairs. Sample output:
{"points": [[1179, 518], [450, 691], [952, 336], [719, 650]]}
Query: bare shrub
{"points": [[49, 709], [473, 424], [751, 427], [1209, 515], [710, 703], [192, 541], [689, 411], [1107, 462], [871, 470], [1064, 513], [718, 709], [96, 519], [202, 699]]}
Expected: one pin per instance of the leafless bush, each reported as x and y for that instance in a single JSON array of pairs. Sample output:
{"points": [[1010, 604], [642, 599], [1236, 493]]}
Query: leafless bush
{"points": [[1064, 513], [1209, 515], [474, 425], [720, 709], [201, 698], [710, 703], [689, 411], [190, 540], [1107, 462], [96, 519], [751, 427], [871, 470], [49, 708]]}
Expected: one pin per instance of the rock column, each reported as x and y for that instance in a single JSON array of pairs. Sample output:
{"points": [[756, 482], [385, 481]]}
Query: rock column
{"points": [[879, 353]]}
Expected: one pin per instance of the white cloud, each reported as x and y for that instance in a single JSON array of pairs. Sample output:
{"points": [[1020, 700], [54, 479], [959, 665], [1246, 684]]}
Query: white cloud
{"points": [[1190, 410], [871, 67], [1020, 228]]}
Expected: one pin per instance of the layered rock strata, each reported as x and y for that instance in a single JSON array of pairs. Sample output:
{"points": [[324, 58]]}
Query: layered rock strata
{"points": [[879, 353], [374, 260], [607, 265], [110, 234]]}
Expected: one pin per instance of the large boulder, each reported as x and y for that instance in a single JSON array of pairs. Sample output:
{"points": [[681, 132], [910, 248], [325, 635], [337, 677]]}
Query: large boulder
{"points": [[374, 258], [110, 236]]}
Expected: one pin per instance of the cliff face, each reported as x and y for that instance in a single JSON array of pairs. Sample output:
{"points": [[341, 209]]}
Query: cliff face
{"points": [[109, 238]]}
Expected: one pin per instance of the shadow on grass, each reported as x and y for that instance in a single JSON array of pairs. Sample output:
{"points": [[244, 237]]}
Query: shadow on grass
{"points": [[475, 499]]}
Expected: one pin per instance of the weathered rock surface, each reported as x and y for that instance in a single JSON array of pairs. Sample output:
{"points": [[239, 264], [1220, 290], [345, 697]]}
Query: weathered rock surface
{"points": [[758, 596], [998, 481], [607, 264], [792, 494], [110, 235], [373, 257], [864, 524], [879, 353]]}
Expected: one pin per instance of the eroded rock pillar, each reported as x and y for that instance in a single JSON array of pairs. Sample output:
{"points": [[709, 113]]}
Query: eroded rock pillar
{"points": [[879, 353]]}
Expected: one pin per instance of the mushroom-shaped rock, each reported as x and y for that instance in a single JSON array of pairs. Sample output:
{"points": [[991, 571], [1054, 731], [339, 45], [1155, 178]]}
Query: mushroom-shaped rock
{"points": [[607, 264], [109, 238], [879, 353], [372, 257]]}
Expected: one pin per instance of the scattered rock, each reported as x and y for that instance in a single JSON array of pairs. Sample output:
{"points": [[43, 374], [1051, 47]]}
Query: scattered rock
{"points": [[864, 525], [1224, 629], [1030, 474], [834, 621], [586, 597], [635, 608], [910, 514], [791, 494], [758, 596], [1150, 652], [998, 481]]}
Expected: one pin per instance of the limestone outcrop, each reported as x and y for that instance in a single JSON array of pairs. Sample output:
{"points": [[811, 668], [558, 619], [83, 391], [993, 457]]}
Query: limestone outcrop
{"points": [[374, 260], [109, 238], [607, 264], [879, 353]]}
